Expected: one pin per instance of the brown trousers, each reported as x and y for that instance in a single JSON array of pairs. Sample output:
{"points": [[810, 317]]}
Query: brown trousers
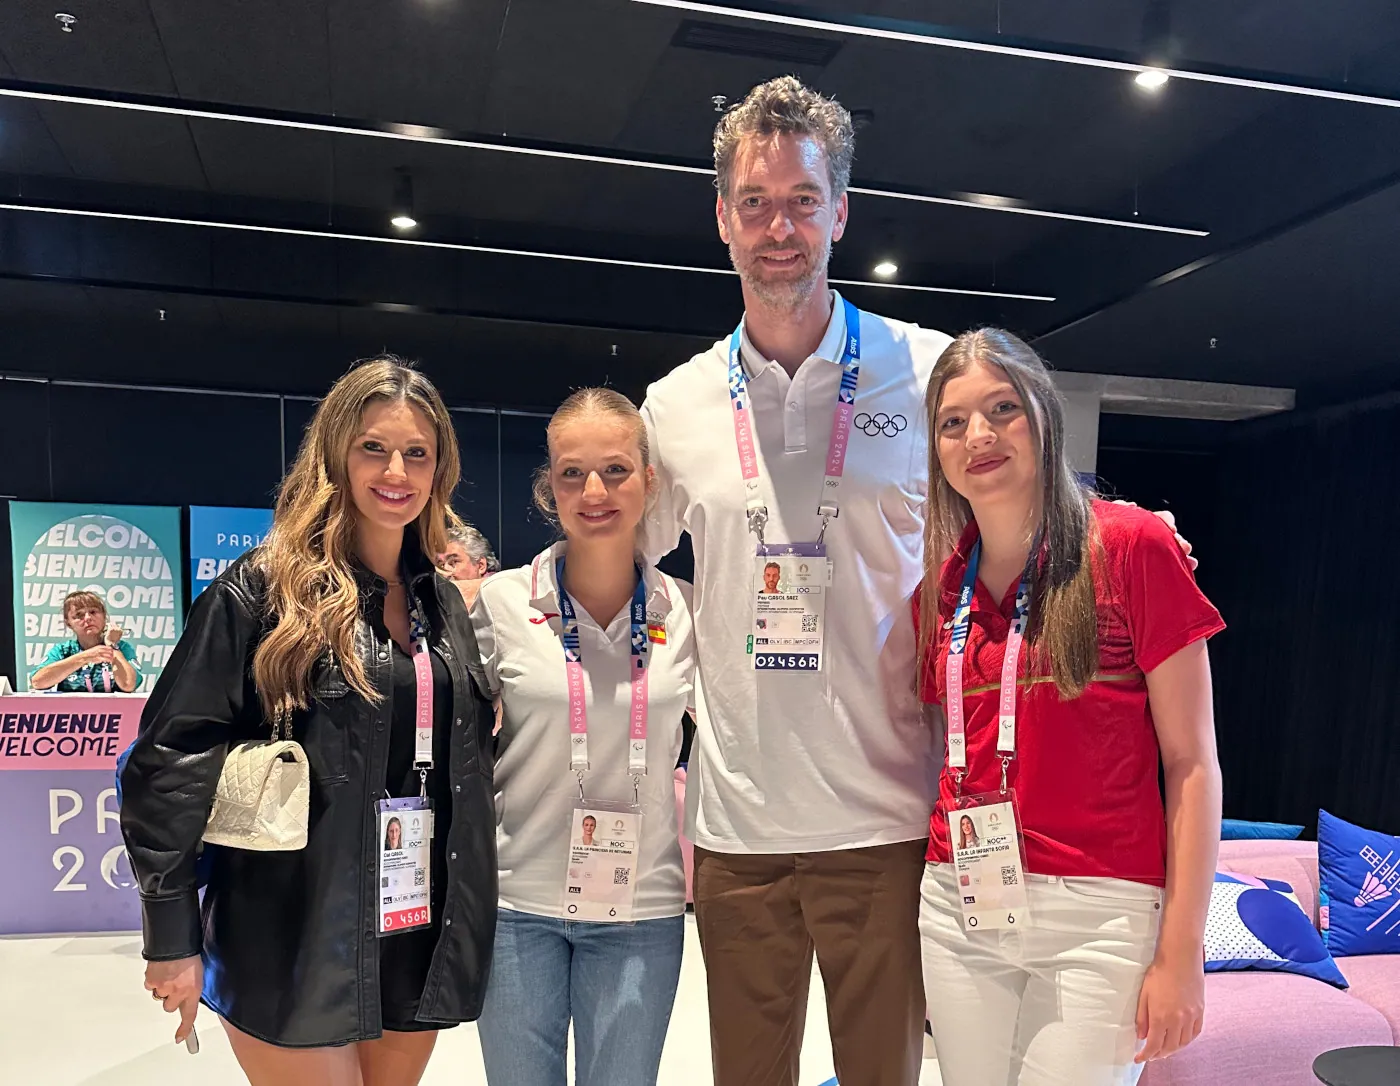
{"points": [[761, 917]]}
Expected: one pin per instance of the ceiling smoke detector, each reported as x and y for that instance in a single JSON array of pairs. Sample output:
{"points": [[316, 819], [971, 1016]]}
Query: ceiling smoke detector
{"points": [[66, 21]]}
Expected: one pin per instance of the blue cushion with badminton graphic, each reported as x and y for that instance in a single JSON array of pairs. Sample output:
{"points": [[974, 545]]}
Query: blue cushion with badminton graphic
{"points": [[1359, 888], [1259, 924]]}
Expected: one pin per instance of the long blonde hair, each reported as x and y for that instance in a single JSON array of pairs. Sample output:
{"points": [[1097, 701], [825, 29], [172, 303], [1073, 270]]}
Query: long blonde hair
{"points": [[313, 600], [1063, 633]]}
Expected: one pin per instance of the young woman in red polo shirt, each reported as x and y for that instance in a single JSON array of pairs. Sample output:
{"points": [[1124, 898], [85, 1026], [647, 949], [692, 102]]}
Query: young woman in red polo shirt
{"points": [[1077, 957]]}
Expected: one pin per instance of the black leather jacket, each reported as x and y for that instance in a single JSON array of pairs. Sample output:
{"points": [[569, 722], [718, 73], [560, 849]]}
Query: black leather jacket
{"points": [[290, 950]]}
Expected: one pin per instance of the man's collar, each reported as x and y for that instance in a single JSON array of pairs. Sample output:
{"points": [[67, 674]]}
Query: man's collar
{"points": [[830, 348]]}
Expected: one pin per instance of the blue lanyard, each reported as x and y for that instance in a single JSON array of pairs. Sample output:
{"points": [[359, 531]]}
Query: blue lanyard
{"points": [[829, 506], [957, 644], [573, 671], [573, 651], [962, 616]]}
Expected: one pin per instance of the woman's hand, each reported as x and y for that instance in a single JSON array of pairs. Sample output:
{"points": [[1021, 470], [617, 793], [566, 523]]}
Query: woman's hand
{"points": [[177, 986], [1171, 1007], [98, 654]]}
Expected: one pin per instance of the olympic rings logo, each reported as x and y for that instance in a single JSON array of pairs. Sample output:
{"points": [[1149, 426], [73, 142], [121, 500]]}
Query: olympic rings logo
{"points": [[880, 423]]}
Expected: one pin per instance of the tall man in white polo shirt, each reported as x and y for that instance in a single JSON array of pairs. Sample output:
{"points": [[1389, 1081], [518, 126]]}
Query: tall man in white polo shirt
{"points": [[809, 791]]}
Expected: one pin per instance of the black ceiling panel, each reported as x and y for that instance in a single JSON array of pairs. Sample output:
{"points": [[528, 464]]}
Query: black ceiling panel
{"points": [[1329, 287], [1296, 194], [419, 62], [254, 52], [114, 45]]}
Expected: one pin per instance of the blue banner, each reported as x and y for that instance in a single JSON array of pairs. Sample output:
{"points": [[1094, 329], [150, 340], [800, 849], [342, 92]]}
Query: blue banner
{"points": [[218, 536]]}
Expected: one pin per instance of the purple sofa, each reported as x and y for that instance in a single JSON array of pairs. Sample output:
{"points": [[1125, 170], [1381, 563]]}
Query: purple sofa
{"points": [[1269, 1027]]}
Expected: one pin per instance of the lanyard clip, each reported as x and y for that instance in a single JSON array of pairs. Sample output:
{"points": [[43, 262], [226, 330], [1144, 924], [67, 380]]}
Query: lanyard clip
{"points": [[579, 775], [636, 790], [958, 775], [422, 783], [1005, 761], [758, 520]]}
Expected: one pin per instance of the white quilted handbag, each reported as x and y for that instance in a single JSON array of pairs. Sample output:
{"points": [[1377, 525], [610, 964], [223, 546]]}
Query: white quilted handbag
{"points": [[263, 801]]}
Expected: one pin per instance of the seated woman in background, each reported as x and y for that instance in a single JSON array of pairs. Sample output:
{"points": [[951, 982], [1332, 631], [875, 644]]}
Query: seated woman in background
{"points": [[338, 632], [94, 660], [467, 561], [1087, 963]]}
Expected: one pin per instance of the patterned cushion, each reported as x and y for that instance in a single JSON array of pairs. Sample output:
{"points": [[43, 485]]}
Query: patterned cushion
{"points": [[1259, 924], [1360, 888]]}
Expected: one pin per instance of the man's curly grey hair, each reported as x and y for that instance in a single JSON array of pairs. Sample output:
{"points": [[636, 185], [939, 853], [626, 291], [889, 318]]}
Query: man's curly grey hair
{"points": [[476, 545], [785, 106]]}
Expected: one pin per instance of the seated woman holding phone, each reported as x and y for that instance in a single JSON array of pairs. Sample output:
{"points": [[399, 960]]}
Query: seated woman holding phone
{"points": [[95, 660]]}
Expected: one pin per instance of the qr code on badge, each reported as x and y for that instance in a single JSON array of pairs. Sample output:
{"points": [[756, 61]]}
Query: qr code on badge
{"points": [[622, 876], [1008, 876], [419, 876], [809, 623]]}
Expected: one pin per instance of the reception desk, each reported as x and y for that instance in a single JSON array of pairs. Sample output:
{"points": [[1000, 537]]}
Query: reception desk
{"points": [[64, 866]]}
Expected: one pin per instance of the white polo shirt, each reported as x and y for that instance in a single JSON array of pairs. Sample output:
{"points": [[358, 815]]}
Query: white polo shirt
{"points": [[518, 628], [783, 761]]}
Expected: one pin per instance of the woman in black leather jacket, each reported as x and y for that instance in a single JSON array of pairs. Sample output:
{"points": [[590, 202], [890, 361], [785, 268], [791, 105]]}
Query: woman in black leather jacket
{"points": [[314, 632]]}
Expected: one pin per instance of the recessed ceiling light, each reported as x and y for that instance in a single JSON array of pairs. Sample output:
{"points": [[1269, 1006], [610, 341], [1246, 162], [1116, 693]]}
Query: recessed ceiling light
{"points": [[1151, 79], [66, 21], [404, 214], [886, 269]]}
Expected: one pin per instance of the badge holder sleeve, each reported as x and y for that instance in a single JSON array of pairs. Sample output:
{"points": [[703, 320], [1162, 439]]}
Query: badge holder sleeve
{"points": [[613, 901], [1010, 907], [393, 867]]}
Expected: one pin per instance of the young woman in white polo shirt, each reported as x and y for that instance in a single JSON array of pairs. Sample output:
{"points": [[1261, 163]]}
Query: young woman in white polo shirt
{"points": [[590, 654]]}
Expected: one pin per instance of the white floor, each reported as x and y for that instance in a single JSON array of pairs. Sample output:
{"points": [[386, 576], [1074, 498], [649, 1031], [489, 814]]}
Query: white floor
{"points": [[73, 1013]]}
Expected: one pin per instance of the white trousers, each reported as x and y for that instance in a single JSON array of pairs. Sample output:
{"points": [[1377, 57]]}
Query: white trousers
{"points": [[1054, 1004]]}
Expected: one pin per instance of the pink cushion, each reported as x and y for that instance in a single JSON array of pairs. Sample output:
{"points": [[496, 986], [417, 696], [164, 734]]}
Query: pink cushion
{"points": [[1375, 978], [1295, 862], [1268, 1028]]}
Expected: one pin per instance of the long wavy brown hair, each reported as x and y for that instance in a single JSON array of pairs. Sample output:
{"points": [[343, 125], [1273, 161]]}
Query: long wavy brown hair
{"points": [[312, 597], [1063, 632]]}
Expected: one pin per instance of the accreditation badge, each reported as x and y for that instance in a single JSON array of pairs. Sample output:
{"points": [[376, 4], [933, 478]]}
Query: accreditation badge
{"points": [[988, 862], [405, 877], [789, 606], [601, 878]]}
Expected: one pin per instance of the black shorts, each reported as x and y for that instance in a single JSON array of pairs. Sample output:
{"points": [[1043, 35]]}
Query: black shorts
{"points": [[404, 961]]}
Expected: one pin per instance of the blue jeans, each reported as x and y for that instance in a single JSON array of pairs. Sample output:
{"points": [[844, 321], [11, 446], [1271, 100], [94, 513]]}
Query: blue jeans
{"points": [[616, 981]]}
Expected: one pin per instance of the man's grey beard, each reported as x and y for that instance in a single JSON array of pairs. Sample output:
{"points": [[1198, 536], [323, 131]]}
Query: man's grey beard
{"points": [[785, 297]]}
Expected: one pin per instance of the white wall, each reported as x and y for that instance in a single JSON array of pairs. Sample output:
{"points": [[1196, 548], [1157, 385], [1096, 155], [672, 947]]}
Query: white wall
{"points": [[1082, 428]]}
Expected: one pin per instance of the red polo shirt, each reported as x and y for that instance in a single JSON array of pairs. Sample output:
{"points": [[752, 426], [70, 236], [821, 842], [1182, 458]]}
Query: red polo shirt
{"points": [[1086, 771]]}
